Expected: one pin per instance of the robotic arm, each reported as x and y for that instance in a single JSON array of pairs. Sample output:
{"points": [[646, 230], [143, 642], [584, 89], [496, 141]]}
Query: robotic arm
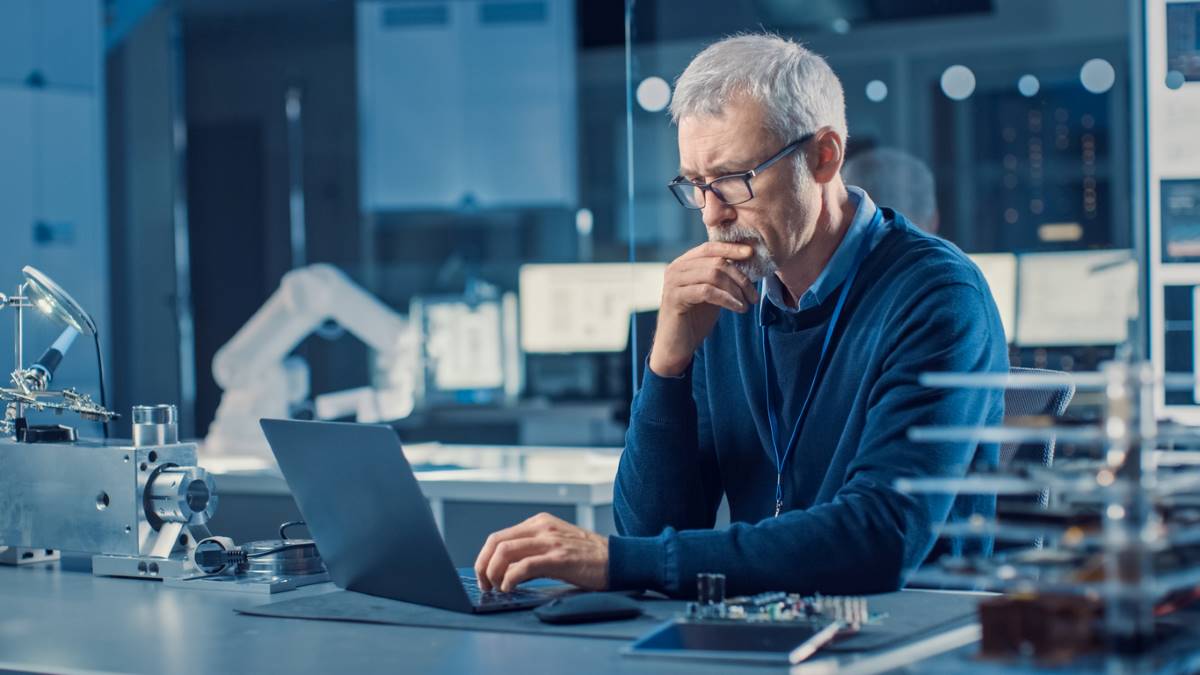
{"points": [[260, 379]]}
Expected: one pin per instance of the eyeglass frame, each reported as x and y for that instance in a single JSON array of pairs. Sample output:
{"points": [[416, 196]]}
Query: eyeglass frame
{"points": [[680, 181]]}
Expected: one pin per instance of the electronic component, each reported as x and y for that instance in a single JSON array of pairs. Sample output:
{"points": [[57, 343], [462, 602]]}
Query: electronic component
{"points": [[772, 627]]}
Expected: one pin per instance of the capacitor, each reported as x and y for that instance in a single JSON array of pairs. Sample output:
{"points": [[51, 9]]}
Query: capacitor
{"points": [[710, 589]]}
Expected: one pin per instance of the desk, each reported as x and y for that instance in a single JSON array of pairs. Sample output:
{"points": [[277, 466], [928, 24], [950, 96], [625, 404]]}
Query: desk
{"points": [[492, 487], [61, 619]]}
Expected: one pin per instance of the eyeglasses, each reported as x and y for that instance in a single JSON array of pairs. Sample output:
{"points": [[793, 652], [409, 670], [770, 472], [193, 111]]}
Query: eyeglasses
{"points": [[732, 189]]}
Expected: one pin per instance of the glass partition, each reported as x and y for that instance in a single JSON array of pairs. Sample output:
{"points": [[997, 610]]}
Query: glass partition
{"points": [[1019, 111], [463, 162]]}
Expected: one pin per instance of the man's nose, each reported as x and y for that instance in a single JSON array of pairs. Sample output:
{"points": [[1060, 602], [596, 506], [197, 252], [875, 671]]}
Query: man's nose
{"points": [[717, 214]]}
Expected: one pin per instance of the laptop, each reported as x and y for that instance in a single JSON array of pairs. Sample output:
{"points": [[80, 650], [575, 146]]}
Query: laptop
{"points": [[371, 522]]}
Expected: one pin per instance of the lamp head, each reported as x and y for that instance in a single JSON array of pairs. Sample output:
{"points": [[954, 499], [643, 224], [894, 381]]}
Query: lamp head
{"points": [[50, 299]]}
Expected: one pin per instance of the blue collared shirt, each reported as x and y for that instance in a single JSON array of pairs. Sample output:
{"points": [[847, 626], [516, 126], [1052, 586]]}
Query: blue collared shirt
{"points": [[840, 262]]}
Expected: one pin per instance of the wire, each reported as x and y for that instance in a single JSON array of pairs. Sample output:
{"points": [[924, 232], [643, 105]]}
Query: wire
{"points": [[100, 367], [291, 523]]}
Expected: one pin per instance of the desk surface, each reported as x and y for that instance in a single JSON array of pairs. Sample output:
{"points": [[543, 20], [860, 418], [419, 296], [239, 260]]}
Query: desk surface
{"points": [[61, 619], [510, 474]]}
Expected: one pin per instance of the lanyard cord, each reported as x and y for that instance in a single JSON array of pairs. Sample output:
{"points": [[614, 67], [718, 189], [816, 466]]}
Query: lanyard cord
{"points": [[781, 458]]}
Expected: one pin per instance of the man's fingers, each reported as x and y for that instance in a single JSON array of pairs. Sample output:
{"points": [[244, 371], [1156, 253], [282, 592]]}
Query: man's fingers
{"points": [[511, 552], [544, 565], [711, 295], [527, 528], [719, 249], [742, 280], [722, 275]]}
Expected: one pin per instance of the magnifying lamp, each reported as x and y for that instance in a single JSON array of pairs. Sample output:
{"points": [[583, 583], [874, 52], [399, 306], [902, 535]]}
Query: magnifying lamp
{"points": [[47, 297], [50, 299]]}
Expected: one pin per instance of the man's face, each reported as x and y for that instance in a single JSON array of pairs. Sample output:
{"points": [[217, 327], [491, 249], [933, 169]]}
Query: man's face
{"points": [[778, 221]]}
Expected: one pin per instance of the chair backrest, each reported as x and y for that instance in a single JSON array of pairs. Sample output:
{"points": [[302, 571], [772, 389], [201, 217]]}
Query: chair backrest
{"points": [[1027, 402]]}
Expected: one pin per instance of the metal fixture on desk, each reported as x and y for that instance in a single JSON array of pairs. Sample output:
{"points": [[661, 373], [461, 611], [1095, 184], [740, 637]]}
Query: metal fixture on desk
{"points": [[1121, 532], [31, 385], [138, 506], [30, 388]]}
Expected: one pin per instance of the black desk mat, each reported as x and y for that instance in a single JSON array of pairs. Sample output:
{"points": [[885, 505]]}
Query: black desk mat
{"points": [[361, 608], [911, 615]]}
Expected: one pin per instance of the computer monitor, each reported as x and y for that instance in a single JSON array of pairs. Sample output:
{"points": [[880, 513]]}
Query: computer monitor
{"points": [[584, 307], [1000, 271], [468, 349], [1076, 298]]}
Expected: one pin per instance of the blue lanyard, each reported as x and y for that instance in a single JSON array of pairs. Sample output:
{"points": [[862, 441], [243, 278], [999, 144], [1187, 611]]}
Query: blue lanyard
{"points": [[781, 458]]}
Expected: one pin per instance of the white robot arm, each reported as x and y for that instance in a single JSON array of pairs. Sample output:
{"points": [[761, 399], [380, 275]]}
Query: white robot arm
{"points": [[307, 298], [259, 378]]}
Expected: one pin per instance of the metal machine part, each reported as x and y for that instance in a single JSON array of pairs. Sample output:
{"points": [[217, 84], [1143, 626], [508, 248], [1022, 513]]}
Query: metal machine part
{"points": [[137, 509], [256, 567], [282, 558], [11, 555], [155, 425]]}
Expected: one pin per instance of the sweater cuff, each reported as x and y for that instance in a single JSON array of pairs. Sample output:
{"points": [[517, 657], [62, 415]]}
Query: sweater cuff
{"points": [[636, 563], [665, 397]]}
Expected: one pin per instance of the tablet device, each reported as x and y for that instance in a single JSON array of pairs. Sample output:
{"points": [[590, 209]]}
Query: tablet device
{"points": [[745, 641]]}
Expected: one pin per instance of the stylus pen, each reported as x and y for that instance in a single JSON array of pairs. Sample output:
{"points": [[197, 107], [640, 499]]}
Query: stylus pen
{"points": [[812, 644]]}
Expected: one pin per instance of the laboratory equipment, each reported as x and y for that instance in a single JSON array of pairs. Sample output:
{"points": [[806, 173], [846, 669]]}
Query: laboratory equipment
{"points": [[29, 388], [268, 566], [772, 627], [138, 506], [260, 379], [1117, 554]]}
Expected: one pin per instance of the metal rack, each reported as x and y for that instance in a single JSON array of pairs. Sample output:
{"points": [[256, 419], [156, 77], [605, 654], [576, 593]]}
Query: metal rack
{"points": [[1124, 525]]}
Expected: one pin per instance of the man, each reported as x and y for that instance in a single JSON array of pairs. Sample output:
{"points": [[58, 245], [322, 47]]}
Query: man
{"points": [[898, 179], [784, 368]]}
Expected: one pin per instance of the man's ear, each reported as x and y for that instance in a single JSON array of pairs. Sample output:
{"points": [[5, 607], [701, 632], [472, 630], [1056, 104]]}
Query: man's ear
{"points": [[826, 153]]}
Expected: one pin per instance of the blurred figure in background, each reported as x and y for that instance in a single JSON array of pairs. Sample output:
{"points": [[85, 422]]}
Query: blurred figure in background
{"points": [[896, 179]]}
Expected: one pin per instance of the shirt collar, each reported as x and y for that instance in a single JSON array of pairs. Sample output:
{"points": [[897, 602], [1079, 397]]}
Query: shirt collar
{"points": [[838, 268]]}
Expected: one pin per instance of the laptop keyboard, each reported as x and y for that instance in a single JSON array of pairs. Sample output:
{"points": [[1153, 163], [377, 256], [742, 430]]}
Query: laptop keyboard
{"points": [[481, 598]]}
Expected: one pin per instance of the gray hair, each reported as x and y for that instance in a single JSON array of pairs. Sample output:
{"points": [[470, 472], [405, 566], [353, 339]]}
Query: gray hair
{"points": [[797, 89], [897, 179]]}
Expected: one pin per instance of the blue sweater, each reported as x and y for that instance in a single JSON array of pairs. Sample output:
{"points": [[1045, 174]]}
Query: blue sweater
{"points": [[918, 304]]}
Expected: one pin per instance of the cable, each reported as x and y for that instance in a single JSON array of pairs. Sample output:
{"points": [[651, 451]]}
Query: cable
{"points": [[100, 367], [283, 529]]}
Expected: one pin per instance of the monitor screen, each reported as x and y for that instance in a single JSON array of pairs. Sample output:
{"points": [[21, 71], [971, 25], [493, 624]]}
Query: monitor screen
{"points": [[463, 345], [1000, 271], [1076, 298], [584, 307]]}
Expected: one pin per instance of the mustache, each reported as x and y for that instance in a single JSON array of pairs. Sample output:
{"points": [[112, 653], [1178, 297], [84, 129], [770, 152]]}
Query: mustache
{"points": [[735, 234]]}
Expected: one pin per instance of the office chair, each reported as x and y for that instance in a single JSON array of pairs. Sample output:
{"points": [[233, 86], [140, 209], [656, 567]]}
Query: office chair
{"points": [[1030, 402], [1027, 402]]}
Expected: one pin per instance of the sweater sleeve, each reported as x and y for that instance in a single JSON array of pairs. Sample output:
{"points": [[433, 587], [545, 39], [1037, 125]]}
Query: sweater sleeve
{"points": [[668, 474], [870, 536]]}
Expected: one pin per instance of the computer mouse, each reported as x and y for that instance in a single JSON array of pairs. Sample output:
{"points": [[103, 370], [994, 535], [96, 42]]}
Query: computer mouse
{"points": [[589, 608]]}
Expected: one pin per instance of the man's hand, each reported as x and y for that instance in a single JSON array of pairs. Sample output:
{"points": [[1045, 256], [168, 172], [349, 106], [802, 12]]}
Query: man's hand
{"points": [[543, 546], [696, 286]]}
